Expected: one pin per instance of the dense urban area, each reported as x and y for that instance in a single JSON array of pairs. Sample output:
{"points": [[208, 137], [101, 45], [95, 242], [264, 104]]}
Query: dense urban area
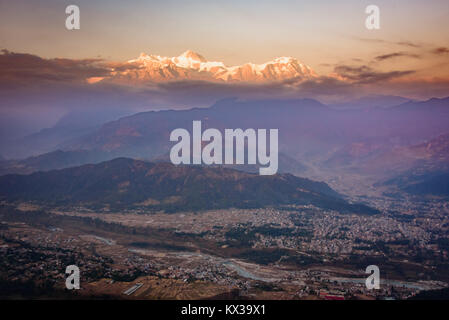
{"points": [[290, 252]]}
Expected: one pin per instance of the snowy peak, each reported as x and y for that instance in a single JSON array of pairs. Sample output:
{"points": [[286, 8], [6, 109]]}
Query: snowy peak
{"points": [[190, 55], [192, 65]]}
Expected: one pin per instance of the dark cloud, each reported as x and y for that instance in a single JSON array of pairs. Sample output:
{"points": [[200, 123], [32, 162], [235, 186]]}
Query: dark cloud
{"points": [[441, 50], [396, 55], [366, 75], [27, 69], [399, 43], [327, 89], [408, 44]]}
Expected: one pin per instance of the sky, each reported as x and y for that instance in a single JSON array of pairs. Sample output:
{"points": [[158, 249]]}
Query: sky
{"points": [[43, 65], [318, 33]]}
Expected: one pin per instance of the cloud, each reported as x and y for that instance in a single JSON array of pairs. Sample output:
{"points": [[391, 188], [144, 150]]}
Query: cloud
{"points": [[27, 69], [408, 44], [441, 50], [395, 55], [366, 75], [398, 43]]}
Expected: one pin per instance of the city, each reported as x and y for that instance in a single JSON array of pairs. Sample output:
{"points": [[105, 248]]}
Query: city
{"points": [[276, 253]]}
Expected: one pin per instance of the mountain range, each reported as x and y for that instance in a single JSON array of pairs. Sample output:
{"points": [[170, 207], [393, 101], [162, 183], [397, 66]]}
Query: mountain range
{"points": [[127, 183], [377, 142], [193, 66], [52, 160], [307, 128], [64, 159]]}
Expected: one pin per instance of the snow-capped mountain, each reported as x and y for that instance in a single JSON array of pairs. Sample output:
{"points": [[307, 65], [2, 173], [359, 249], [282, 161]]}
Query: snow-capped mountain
{"points": [[191, 65]]}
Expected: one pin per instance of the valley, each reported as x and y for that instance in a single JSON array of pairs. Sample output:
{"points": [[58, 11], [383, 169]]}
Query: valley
{"points": [[141, 228], [295, 253]]}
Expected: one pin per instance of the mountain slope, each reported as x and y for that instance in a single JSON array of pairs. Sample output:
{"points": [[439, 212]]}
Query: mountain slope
{"points": [[436, 184], [306, 127], [73, 125], [428, 172], [372, 101], [125, 183], [146, 134], [52, 160]]}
